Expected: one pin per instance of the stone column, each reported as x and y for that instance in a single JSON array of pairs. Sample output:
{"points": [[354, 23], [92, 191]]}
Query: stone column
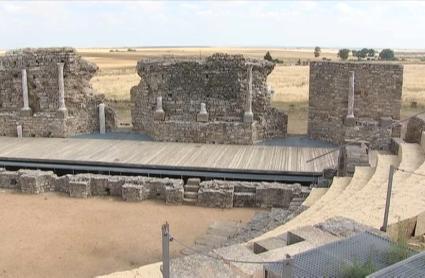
{"points": [[26, 110], [19, 130], [203, 114], [102, 128], [62, 106], [159, 114], [350, 110], [248, 116]]}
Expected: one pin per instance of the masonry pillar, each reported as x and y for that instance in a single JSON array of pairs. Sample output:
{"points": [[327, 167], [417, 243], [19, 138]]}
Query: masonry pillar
{"points": [[248, 116], [102, 128], [203, 114], [26, 110], [159, 114], [62, 107], [349, 120]]}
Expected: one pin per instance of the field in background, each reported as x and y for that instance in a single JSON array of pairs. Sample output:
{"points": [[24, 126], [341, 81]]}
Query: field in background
{"points": [[117, 74]]}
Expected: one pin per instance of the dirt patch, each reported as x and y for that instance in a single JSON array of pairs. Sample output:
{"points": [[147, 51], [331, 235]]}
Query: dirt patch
{"points": [[56, 236]]}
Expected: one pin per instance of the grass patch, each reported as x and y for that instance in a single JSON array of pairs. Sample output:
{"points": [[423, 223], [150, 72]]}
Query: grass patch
{"points": [[358, 270]]}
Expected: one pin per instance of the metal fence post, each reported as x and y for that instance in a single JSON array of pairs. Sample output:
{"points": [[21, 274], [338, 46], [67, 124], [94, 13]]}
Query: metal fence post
{"points": [[387, 204], [165, 250]]}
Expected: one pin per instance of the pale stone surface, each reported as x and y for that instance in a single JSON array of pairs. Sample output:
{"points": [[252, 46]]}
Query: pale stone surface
{"points": [[248, 116], [102, 124], [134, 193], [203, 114], [19, 131], [61, 86], [350, 109], [26, 107], [79, 189]]}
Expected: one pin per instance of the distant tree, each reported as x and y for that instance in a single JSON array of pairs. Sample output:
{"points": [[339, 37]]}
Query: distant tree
{"points": [[343, 53], [299, 62], [268, 57], [354, 53], [371, 52], [363, 53], [387, 54], [317, 51]]}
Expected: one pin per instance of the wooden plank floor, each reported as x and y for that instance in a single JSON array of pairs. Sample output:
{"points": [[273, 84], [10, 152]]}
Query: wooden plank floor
{"points": [[241, 157]]}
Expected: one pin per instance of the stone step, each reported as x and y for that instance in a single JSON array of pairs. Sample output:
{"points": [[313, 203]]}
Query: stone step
{"points": [[193, 181], [188, 201], [191, 195], [191, 188]]}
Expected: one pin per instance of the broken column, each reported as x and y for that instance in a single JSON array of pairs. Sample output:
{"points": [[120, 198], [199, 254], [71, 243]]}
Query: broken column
{"points": [[203, 114], [19, 130], [159, 114], [349, 120], [62, 107], [102, 118], [26, 110], [248, 116]]}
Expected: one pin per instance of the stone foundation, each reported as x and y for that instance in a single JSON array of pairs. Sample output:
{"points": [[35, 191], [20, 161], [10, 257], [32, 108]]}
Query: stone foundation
{"points": [[214, 193], [206, 101]]}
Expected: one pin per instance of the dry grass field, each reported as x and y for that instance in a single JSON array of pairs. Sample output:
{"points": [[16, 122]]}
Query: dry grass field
{"points": [[290, 81], [117, 74]]}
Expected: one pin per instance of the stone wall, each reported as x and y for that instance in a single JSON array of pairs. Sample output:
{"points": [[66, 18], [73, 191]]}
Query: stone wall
{"points": [[376, 102], [222, 84], [415, 127], [215, 193], [36, 73]]}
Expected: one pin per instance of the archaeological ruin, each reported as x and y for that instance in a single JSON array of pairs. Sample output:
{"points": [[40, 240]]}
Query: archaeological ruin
{"points": [[46, 93], [220, 99], [352, 101]]}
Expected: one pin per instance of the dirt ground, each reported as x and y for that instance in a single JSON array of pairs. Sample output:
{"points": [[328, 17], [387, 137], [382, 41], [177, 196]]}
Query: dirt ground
{"points": [[52, 235]]}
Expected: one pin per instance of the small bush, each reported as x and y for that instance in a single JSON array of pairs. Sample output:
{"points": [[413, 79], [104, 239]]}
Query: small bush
{"points": [[358, 270]]}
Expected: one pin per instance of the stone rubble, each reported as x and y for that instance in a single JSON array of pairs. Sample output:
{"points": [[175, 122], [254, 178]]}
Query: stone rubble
{"points": [[213, 193]]}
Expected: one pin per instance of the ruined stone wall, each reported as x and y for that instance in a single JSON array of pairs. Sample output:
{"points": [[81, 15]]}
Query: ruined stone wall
{"points": [[377, 101], [221, 83], [215, 193], [43, 116], [415, 127]]}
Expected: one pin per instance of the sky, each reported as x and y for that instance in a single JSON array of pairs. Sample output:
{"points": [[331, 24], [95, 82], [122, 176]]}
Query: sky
{"points": [[335, 24]]}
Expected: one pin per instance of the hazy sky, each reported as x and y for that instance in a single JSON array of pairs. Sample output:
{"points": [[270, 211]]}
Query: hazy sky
{"points": [[215, 23]]}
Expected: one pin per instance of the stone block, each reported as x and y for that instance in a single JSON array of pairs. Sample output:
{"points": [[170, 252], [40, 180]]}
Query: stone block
{"points": [[115, 184], [386, 122], [193, 181], [134, 193], [25, 112], [202, 117], [217, 194], [270, 195], [420, 225], [99, 185], [79, 189], [244, 199], [62, 184], [9, 180], [36, 182], [174, 192], [159, 116], [350, 121]]}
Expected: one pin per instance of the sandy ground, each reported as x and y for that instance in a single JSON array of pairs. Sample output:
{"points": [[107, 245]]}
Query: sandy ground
{"points": [[56, 236]]}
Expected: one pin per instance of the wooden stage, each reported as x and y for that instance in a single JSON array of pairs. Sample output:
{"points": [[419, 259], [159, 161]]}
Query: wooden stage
{"points": [[179, 155]]}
